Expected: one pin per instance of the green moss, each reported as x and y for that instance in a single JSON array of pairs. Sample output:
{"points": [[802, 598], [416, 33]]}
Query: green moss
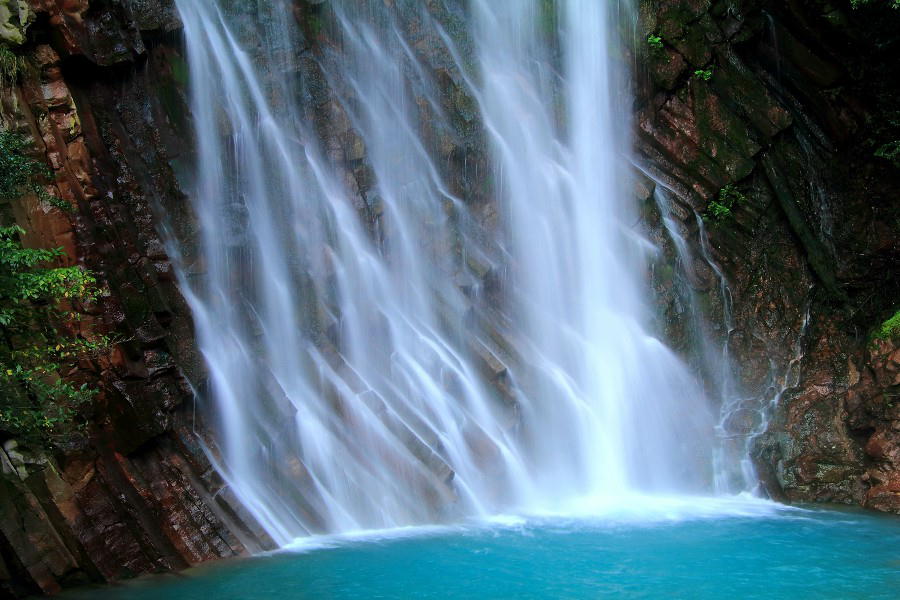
{"points": [[314, 25], [15, 16], [17, 169], [665, 273], [317, 19], [704, 74], [889, 328], [180, 72]]}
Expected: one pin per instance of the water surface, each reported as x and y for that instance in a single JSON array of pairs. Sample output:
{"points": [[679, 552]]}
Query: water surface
{"points": [[710, 550]]}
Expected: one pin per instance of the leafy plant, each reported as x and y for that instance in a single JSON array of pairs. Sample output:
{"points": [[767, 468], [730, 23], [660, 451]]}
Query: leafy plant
{"points": [[21, 173], [704, 74], [889, 328], [656, 43], [890, 151], [11, 65], [720, 209], [36, 300]]}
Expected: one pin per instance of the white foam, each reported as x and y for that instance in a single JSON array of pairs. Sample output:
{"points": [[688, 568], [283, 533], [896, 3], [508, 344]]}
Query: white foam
{"points": [[588, 512], [320, 542], [637, 508]]}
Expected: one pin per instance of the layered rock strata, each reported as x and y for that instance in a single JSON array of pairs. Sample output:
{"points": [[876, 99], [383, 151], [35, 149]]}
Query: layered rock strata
{"points": [[784, 107], [783, 104]]}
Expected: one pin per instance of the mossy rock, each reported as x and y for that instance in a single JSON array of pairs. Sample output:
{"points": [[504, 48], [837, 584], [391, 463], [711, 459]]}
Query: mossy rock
{"points": [[889, 329], [15, 17]]}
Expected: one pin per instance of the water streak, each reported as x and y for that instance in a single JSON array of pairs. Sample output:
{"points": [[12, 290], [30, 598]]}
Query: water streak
{"points": [[609, 408]]}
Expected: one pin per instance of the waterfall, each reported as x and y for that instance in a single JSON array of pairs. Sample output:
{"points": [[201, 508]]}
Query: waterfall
{"points": [[611, 408], [344, 328]]}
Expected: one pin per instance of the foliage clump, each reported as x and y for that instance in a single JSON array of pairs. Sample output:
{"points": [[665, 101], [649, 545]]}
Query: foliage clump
{"points": [[890, 151], [655, 42], [36, 300], [11, 66], [855, 4], [704, 74], [720, 208], [889, 328], [20, 173]]}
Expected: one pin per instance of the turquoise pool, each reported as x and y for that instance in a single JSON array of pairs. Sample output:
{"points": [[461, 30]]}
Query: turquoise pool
{"points": [[684, 549]]}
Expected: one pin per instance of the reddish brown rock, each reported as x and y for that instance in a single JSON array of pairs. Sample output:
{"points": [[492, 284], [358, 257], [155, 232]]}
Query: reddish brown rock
{"points": [[104, 103], [811, 252], [138, 495]]}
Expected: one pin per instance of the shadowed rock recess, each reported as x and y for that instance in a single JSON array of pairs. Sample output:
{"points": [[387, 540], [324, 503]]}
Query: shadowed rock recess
{"points": [[760, 166]]}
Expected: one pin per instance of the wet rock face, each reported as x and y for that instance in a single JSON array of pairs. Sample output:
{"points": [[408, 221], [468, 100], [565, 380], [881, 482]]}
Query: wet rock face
{"points": [[836, 439], [102, 98], [873, 411], [796, 102], [810, 252], [106, 32]]}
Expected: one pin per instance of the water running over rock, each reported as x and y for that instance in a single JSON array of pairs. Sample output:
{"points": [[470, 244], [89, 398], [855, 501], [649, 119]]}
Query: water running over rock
{"points": [[380, 352]]}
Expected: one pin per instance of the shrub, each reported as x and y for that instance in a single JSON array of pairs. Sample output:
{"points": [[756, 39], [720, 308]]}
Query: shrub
{"points": [[21, 173], [11, 65], [36, 301]]}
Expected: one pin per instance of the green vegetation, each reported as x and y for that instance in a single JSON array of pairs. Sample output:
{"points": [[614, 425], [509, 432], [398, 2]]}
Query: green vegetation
{"points": [[36, 403], [890, 151], [11, 65], [704, 74], [889, 328], [720, 209], [716, 211], [36, 300], [655, 42], [21, 173], [855, 4]]}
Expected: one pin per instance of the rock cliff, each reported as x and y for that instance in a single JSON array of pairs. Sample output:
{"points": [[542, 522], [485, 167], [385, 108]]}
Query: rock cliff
{"points": [[100, 96], [788, 110], [777, 111]]}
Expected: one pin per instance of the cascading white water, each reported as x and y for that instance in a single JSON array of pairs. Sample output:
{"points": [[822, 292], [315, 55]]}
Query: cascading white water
{"points": [[344, 387], [343, 393], [611, 409]]}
